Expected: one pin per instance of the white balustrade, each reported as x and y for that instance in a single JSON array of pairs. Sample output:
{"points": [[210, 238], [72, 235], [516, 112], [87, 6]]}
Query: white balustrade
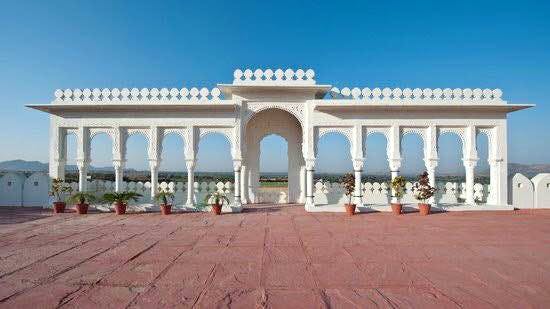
{"points": [[417, 94], [18, 190]]}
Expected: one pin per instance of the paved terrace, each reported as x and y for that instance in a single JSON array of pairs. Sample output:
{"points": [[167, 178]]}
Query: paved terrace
{"points": [[274, 257]]}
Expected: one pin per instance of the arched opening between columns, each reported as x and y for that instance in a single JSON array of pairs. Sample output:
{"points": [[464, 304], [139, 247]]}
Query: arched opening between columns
{"points": [[376, 170], [172, 170], [284, 124], [450, 179], [100, 172], [136, 169], [101, 156], [412, 154], [482, 170], [214, 168], [376, 158], [70, 153], [333, 161]]}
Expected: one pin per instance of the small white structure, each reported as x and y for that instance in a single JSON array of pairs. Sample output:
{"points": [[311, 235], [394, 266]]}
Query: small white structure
{"points": [[289, 103]]}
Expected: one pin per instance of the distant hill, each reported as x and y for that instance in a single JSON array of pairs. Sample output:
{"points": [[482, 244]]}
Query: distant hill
{"points": [[529, 170], [23, 166], [36, 166]]}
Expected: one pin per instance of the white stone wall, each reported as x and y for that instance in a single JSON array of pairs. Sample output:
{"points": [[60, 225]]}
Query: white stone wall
{"points": [[32, 191], [534, 193], [376, 193]]}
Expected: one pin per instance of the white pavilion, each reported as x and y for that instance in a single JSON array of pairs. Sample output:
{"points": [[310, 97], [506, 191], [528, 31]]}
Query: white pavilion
{"points": [[291, 104]]}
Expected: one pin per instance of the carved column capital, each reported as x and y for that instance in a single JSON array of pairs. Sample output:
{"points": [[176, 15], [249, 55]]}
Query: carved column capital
{"points": [[358, 164], [118, 164], [237, 165], [310, 164], [82, 164], [431, 163], [154, 164], [190, 164], [470, 163], [495, 161], [395, 164]]}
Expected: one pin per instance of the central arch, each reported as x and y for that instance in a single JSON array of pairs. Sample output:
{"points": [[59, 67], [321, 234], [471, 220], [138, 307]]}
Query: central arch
{"points": [[282, 123]]}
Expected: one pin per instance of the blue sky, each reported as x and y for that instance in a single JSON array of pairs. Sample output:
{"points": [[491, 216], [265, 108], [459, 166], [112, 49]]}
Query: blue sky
{"points": [[80, 44]]}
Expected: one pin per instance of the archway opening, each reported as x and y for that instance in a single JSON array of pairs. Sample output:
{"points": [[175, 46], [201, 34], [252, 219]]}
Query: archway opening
{"points": [[273, 168], [214, 167], [137, 176], [71, 170], [376, 159], [172, 165], [101, 155], [273, 150], [450, 167], [412, 153], [482, 171], [333, 157]]}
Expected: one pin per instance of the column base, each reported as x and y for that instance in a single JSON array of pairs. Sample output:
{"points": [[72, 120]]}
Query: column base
{"points": [[309, 206], [235, 207]]}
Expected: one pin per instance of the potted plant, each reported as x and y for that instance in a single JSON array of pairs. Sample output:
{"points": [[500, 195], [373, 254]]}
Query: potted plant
{"points": [[120, 200], [58, 191], [216, 200], [398, 190], [80, 199], [423, 191], [349, 187], [166, 199]]}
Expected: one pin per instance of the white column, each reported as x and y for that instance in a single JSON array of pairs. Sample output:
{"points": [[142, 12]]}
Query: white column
{"points": [[310, 169], [83, 157], [469, 165], [499, 182], [57, 169], [190, 182], [119, 174], [358, 169], [58, 151], [302, 184], [431, 156], [395, 164], [82, 174], [119, 156], [431, 164], [470, 161], [243, 185], [237, 185], [500, 166], [154, 166], [394, 154]]}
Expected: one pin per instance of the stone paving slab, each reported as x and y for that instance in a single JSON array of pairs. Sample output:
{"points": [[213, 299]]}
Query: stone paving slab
{"points": [[274, 257]]}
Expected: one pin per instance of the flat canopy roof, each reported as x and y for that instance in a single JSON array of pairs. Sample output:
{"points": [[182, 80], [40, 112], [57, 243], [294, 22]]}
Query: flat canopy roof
{"points": [[351, 105], [228, 105], [59, 109], [316, 91]]}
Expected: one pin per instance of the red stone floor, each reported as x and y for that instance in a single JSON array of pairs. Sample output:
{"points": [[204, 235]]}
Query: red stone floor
{"points": [[274, 257]]}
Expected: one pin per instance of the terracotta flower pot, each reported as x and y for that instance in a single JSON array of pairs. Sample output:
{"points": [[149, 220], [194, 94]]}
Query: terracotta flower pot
{"points": [[58, 207], [217, 209], [120, 208], [424, 208], [166, 209], [81, 209], [350, 209], [397, 208]]}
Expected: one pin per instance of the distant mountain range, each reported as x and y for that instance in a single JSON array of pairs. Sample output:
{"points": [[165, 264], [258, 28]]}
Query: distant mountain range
{"points": [[528, 170], [36, 166]]}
